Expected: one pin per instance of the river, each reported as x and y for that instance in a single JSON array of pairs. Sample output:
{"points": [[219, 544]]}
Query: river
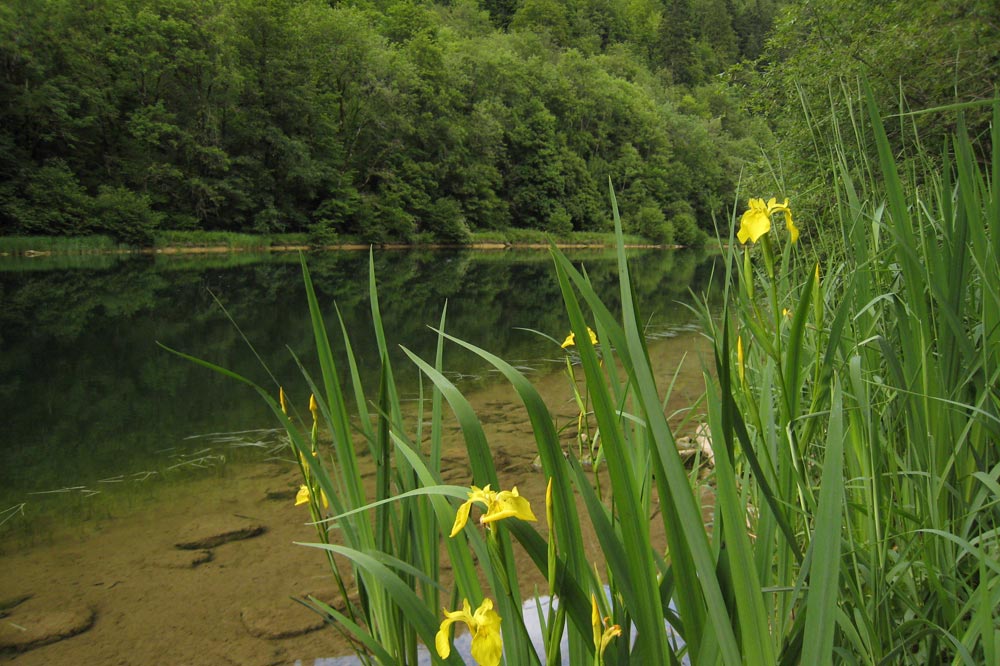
{"points": [[112, 446]]}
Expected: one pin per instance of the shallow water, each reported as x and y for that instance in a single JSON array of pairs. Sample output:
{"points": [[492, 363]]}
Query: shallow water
{"points": [[113, 446]]}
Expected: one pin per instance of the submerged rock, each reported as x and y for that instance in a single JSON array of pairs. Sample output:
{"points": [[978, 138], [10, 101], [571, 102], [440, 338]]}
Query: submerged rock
{"points": [[281, 495], [8, 604], [283, 619], [25, 630], [209, 533], [331, 597], [183, 559]]}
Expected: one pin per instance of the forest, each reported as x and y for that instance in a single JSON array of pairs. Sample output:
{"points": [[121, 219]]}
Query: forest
{"points": [[409, 120]]}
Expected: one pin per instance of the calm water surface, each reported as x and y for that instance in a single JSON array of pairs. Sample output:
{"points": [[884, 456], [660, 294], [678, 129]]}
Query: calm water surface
{"points": [[94, 409]]}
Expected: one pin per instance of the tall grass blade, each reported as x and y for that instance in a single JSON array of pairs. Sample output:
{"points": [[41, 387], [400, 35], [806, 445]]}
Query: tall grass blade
{"points": [[518, 647], [417, 616], [644, 602], [731, 511], [334, 408], [554, 464], [824, 569]]}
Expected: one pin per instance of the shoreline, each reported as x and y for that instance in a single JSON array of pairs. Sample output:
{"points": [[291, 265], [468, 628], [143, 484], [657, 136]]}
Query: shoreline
{"points": [[341, 247]]}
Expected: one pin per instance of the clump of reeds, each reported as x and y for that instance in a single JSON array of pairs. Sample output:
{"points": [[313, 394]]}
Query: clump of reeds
{"points": [[853, 404]]}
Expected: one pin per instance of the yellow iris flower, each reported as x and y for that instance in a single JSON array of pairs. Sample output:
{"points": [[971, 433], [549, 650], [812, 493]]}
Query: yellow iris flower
{"points": [[602, 633], [484, 624], [499, 505], [756, 221], [314, 407], [303, 496], [571, 339]]}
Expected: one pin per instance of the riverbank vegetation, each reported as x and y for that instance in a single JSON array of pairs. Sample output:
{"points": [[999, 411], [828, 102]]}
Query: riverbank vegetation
{"points": [[403, 120], [384, 120], [179, 242], [851, 413]]}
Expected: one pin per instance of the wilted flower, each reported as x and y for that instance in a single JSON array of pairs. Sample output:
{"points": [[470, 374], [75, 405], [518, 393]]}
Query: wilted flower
{"points": [[499, 505], [484, 624]]}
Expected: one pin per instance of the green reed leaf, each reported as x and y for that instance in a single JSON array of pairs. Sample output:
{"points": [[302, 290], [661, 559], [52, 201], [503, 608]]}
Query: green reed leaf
{"points": [[824, 570], [417, 616], [553, 461]]}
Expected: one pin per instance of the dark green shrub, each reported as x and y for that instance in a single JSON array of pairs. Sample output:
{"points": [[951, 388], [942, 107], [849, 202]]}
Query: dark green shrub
{"points": [[125, 215], [653, 224], [385, 220], [447, 223], [47, 201], [322, 233], [685, 226]]}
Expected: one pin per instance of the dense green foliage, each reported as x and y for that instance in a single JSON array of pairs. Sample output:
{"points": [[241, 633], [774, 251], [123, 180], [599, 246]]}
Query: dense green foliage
{"points": [[402, 120], [923, 60], [852, 418], [384, 119]]}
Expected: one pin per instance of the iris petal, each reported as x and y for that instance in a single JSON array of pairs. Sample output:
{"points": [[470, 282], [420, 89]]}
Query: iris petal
{"points": [[756, 221], [484, 624], [461, 517], [499, 505], [302, 497]]}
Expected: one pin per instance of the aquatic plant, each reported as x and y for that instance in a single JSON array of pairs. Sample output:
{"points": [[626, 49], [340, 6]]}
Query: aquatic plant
{"points": [[856, 485]]}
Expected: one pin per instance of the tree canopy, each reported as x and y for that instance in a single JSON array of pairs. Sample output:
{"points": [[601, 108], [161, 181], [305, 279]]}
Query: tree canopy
{"points": [[409, 119], [929, 65], [385, 120], [381, 119]]}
